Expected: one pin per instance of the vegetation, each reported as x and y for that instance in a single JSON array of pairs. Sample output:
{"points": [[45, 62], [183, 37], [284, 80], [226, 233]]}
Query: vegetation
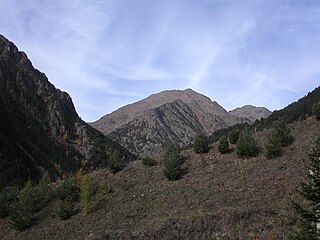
{"points": [[283, 133], [316, 110], [65, 208], [67, 194], [279, 136], [7, 198], [273, 146], [201, 144], [22, 214], [233, 136], [85, 194], [293, 112], [149, 162], [172, 163], [247, 145], [223, 145], [309, 209], [116, 162]]}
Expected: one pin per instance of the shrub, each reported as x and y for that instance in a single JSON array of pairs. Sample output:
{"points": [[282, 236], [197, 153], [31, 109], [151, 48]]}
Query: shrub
{"points": [[65, 208], [7, 198], [149, 162], [68, 190], [283, 133], [273, 146], [42, 192], [308, 209], [115, 163], [22, 214], [201, 144], [85, 193], [233, 136], [223, 145], [247, 145], [172, 163], [316, 110]]}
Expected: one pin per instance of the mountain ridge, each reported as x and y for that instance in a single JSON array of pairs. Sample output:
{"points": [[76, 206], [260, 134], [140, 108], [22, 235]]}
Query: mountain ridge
{"points": [[40, 128], [132, 120]]}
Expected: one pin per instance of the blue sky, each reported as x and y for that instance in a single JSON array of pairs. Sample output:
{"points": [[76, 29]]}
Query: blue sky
{"points": [[108, 53]]}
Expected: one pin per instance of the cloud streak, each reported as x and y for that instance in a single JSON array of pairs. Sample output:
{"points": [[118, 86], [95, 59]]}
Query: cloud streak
{"points": [[109, 53]]}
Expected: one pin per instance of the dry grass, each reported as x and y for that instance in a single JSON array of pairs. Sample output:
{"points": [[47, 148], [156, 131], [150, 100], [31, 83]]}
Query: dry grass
{"points": [[219, 197]]}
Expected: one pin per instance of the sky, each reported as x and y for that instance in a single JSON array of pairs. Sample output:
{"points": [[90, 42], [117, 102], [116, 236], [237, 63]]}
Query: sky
{"points": [[109, 53]]}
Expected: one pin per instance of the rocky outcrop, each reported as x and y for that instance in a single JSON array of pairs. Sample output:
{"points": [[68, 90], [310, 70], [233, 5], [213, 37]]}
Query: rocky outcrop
{"points": [[173, 116], [251, 113], [40, 129]]}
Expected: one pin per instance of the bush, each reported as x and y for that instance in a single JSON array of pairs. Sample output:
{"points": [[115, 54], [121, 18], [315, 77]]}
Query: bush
{"points": [[283, 133], [115, 163], [67, 193], [172, 163], [42, 192], [68, 190], [316, 110], [85, 193], [149, 162], [247, 145], [233, 136], [22, 214], [223, 145], [7, 198], [273, 146], [201, 144], [308, 208], [65, 208]]}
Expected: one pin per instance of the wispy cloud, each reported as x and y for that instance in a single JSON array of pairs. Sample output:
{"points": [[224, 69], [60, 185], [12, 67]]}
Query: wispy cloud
{"points": [[109, 53]]}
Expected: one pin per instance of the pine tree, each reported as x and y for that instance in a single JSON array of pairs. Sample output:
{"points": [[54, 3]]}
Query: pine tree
{"points": [[247, 145], [172, 163], [201, 144], [233, 136], [310, 212], [223, 145], [283, 132], [273, 146], [316, 110]]}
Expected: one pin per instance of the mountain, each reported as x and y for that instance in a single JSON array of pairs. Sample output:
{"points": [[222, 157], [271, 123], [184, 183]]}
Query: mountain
{"points": [[251, 113], [220, 196], [39, 127], [172, 116], [298, 110]]}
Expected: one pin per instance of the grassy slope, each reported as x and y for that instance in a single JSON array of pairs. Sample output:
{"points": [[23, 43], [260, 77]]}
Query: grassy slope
{"points": [[219, 195]]}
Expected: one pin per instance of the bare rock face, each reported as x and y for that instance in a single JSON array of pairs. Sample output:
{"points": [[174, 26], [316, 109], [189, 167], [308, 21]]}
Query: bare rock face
{"points": [[251, 113], [39, 127], [172, 116]]}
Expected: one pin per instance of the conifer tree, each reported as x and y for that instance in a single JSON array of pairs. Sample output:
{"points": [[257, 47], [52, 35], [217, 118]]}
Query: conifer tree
{"points": [[223, 145], [309, 212], [247, 145], [201, 144], [172, 163]]}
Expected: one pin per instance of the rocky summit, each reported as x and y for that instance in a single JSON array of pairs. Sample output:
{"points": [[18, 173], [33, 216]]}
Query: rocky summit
{"points": [[40, 129], [251, 113], [172, 116]]}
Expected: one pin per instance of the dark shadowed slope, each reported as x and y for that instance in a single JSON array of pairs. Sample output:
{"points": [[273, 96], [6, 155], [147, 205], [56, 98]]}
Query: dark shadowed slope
{"points": [[39, 127]]}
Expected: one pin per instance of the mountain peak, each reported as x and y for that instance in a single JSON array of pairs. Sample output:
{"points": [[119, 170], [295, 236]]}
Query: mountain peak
{"points": [[168, 116], [250, 112]]}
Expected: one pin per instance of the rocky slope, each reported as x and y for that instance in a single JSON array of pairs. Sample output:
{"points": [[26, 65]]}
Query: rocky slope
{"points": [[40, 129], [251, 113], [219, 197], [174, 116]]}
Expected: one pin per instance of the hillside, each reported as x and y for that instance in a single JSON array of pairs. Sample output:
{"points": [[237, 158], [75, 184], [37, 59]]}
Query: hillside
{"points": [[176, 116], [251, 113], [219, 197], [40, 129]]}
